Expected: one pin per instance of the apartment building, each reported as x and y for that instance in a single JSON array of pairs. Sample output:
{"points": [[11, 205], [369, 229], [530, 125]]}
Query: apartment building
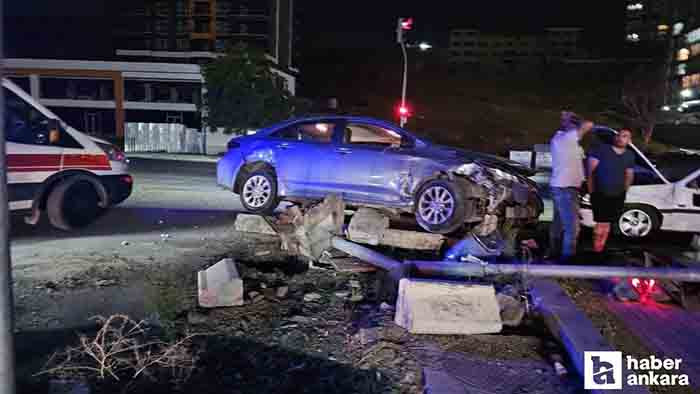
{"points": [[471, 46], [195, 31]]}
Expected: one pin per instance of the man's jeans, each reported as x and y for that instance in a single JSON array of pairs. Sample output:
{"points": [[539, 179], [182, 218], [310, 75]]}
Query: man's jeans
{"points": [[563, 233]]}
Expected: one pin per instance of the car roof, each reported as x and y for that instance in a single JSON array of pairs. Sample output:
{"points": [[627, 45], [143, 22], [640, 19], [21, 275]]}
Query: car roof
{"points": [[330, 117]]}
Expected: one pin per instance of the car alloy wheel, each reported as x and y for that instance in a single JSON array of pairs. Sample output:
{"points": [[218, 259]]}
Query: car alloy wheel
{"points": [[436, 205], [257, 191], [635, 223]]}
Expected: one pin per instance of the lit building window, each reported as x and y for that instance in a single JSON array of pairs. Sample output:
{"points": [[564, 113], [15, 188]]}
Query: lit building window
{"points": [[683, 54], [662, 27], [690, 81], [695, 49], [682, 69], [686, 93], [635, 7], [678, 28], [633, 37]]}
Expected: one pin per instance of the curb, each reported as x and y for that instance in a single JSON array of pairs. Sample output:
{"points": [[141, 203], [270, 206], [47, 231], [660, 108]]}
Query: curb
{"points": [[173, 157]]}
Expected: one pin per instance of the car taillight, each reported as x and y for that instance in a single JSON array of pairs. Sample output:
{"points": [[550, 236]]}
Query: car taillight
{"points": [[113, 153]]}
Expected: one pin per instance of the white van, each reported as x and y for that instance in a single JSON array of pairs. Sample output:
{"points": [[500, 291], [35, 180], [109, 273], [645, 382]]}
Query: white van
{"points": [[53, 168]]}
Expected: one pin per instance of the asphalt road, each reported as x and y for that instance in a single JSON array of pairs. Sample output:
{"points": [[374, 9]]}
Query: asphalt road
{"points": [[175, 201]]}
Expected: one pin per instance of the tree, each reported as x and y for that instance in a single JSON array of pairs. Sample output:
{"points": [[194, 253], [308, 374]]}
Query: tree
{"points": [[244, 93], [642, 96]]}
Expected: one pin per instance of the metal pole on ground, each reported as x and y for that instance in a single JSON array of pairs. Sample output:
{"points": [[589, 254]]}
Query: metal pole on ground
{"points": [[449, 268], [7, 344]]}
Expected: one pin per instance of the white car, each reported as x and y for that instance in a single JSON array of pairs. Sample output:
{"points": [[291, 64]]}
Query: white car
{"points": [[665, 194]]}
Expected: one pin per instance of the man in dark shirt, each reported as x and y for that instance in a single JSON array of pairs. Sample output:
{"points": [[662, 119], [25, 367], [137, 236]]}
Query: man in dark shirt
{"points": [[610, 174]]}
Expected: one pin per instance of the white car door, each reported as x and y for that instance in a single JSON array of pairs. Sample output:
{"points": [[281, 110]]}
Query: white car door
{"points": [[685, 216]]}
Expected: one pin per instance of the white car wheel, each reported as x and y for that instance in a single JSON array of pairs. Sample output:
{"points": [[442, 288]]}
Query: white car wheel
{"points": [[635, 223], [440, 206], [257, 191], [436, 205]]}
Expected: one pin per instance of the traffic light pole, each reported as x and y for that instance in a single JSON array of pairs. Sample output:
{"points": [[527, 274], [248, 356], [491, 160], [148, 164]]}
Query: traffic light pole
{"points": [[405, 78], [7, 344]]}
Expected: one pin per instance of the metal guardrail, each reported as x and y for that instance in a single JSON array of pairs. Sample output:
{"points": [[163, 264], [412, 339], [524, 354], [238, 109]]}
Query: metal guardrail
{"points": [[163, 137]]}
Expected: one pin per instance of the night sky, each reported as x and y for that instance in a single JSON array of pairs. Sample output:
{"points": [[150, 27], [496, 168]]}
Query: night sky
{"points": [[370, 23]]}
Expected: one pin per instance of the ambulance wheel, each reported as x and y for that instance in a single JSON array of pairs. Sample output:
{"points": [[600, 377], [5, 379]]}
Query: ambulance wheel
{"points": [[73, 203]]}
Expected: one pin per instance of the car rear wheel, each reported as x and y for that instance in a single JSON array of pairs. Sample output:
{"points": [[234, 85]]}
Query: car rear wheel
{"points": [[637, 221], [72, 204], [440, 206], [259, 191]]}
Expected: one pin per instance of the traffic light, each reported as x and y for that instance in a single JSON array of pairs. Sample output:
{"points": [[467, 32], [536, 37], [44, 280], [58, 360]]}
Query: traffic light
{"points": [[404, 25], [403, 112]]}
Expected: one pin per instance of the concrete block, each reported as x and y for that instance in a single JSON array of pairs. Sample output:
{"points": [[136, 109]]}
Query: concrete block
{"points": [[411, 240], [367, 225], [332, 206], [220, 285], [445, 307], [253, 224]]}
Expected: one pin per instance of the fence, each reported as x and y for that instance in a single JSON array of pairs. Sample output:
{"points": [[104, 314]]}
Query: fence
{"points": [[163, 137]]}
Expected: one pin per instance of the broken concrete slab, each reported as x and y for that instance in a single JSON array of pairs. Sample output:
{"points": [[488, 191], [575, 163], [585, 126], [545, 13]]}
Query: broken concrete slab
{"points": [[220, 285], [512, 310], [332, 206], [411, 240], [367, 225], [446, 307], [253, 224]]}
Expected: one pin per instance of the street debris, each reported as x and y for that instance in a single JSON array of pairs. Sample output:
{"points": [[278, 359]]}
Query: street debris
{"points": [[105, 282], [253, 224], [220, 285], [282, 291], [311, 297]]}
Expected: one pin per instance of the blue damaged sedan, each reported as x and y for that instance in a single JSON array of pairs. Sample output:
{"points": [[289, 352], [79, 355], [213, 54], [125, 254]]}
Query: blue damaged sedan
{"points": [[374, 163]]}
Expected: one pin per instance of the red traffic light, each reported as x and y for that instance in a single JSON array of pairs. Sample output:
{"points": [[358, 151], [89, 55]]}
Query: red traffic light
{"points": [[407, 23], [403, 111]]}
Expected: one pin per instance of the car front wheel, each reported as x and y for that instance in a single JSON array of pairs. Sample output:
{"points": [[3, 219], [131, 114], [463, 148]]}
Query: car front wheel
{"points": [[637, 221], [440, 206], [259, 191]]}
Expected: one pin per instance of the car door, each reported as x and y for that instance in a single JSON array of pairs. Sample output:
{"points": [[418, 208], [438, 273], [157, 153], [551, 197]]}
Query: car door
{"points": [[686, 214], [31, 156], [374, 168], [298, 150]]}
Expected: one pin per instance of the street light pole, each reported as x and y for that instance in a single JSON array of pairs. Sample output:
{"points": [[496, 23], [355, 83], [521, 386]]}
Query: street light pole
{"points": [[405, 78], [7, 341]]}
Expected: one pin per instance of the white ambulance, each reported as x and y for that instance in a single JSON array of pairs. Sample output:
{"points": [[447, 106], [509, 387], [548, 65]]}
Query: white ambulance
{"points": [[54, 169]]}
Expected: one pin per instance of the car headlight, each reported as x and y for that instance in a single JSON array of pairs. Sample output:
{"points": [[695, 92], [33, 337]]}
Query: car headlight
{"points": [[472, 169], [468, 169]]}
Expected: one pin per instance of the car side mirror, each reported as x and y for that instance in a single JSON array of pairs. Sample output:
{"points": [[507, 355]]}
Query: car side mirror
{"points": [[54, 131], [408, 143]]}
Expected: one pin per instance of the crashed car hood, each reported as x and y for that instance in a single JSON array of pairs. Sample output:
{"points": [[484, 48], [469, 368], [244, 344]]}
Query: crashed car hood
{"points": [[454, 156]]}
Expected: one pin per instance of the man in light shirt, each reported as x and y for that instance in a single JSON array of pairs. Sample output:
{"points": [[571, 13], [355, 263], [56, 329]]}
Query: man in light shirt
{"points": [[567, 179]]}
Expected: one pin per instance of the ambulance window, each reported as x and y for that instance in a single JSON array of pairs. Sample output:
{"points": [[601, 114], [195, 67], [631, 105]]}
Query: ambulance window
{"points": [[23, 123]]}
